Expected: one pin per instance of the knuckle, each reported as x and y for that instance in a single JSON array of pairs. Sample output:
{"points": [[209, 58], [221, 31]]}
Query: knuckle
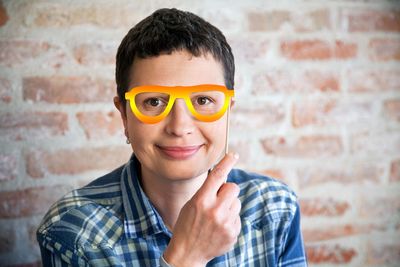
{"points": [[239, 226], [231, 235], [238, 204], [218, 172], [234, 188], [200, 203], [216, 216]]}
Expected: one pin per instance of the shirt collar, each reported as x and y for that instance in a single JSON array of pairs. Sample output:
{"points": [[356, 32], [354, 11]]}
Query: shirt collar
{"points": [[141, 217]]}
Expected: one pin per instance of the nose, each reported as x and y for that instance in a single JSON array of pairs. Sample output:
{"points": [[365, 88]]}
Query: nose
{"points": [[179, 120]]}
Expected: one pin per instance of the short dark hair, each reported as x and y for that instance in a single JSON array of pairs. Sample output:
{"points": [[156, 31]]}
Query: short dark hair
{"points": [[168, 30]]}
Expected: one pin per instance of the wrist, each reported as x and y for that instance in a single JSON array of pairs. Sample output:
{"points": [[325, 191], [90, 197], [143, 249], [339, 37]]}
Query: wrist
{"points": [[173, 258]]}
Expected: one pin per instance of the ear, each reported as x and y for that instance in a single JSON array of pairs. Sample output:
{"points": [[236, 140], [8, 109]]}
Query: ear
{"points": [[122, 110]]}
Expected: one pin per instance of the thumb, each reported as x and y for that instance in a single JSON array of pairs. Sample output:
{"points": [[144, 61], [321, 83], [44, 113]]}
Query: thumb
{"points": [[218, 175]]}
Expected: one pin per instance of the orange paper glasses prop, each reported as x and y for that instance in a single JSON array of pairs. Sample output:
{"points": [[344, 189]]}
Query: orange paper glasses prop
{"points": [[152, 103]]}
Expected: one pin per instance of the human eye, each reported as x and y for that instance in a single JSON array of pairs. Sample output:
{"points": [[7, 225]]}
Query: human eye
{"points": [[151, 104], [203, 100], [154, 102]]}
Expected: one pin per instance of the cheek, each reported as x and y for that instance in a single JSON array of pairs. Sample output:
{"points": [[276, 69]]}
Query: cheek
{"points": [[142, 142], [215, 133], [140, 134]]}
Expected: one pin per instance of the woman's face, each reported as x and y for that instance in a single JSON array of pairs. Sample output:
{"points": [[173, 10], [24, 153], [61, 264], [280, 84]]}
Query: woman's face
{"points": [[179, 147]]}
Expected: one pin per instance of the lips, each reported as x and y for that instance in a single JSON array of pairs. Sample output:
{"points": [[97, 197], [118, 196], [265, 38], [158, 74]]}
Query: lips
{"points": [[179, 152]]}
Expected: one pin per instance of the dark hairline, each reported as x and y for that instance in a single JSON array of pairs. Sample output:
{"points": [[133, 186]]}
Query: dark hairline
{"points": [[141, 42]]}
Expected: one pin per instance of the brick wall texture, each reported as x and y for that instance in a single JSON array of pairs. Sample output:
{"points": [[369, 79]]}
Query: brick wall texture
{"points": [[318, 106]]}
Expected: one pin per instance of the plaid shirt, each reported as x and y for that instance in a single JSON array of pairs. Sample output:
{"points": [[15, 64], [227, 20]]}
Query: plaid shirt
{"points": [[111, 222]]}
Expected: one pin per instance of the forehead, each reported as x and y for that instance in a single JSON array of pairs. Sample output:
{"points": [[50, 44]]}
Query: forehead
{"points": [[178, 68]]}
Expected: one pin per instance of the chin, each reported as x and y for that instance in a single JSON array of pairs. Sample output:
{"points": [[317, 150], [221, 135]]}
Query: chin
{"points": [[185, 171]]}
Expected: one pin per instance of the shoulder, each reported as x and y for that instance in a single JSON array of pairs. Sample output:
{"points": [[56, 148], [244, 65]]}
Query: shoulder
{"points": [[89, 215], [264, 199]]}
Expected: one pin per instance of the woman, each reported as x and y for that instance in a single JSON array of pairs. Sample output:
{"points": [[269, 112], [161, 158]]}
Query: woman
{"points": [[170, 204]]}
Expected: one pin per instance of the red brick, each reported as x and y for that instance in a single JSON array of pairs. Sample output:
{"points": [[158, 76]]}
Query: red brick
{"points": [[99, 124], [267, 21], [381, 254], [384, 143], [324, 254], [317, 50], [32, 227], [3, 15], [90, 54], [5, 90], [323, 207], [104, 15], [315, 20], [243, 149], [345, 50], [284, 81], [382, 207], [15, 52], [312, 112], [8, 166], [257, 116], [240, 80], [350, 172], [395, 171], [371, 20], [20, 126], [276, 173], [392, 109], [33, 166], [221, 17], [384, 49], [364, 80], [322, 81], [7, 238], [298, 21], [308, 49], [31, 201], [83, 181], [249, 49], [336, 231], [273, 173], [329, 112], [306, 146], [70, 161], [68, 90]]}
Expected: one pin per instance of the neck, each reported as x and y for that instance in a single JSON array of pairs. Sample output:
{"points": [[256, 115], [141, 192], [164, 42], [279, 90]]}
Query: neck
{"points": [[169, 196]]}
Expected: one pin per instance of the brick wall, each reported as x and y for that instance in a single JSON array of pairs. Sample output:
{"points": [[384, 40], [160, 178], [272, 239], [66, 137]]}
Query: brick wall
{"points": [[319, 80]]}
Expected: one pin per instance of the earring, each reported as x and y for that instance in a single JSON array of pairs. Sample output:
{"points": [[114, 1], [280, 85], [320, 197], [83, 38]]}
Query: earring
{"points": [[127, 138]]}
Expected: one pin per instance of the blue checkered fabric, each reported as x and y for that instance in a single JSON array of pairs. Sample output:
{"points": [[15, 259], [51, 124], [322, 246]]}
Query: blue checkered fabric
{"points": [[111, 222]]}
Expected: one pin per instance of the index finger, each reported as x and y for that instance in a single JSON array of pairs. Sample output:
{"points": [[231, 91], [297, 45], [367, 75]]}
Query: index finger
{"points": [[218, 175]]}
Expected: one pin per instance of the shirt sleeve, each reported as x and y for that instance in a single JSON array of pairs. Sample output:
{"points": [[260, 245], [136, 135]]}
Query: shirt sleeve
{"points": [[293, 253], [51, 260]]}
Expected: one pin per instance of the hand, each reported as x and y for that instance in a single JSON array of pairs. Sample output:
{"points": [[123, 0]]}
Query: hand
{"points": [[209, 223]]}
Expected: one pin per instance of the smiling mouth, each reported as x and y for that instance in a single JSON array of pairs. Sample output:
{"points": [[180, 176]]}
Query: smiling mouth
{"points": [[179, 152]]}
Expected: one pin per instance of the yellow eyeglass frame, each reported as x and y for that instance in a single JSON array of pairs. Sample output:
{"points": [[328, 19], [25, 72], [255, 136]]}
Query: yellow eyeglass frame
{"points": [[175, 92]]}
